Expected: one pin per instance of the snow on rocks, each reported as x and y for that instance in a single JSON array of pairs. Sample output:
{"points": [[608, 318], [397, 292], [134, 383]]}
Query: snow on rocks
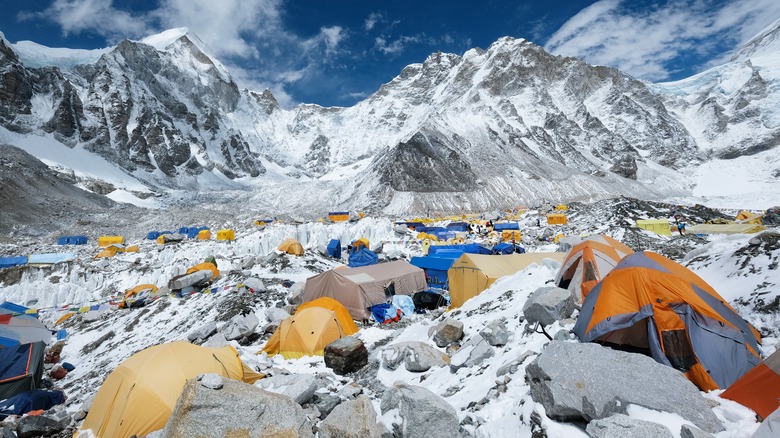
{"points": [[609, 382], [299, 387], [240, 326], [418, 412], [495, 333], [352, 419], [446, 332], [623, 425], [416, 356], [549, 304], [475, 351]]}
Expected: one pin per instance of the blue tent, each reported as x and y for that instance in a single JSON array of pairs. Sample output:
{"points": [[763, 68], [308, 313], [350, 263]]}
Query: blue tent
{"points": [[72, 240], [21, 368], [507, 248], [471, 248], [153, 235], [184, 230], [9, 307], [7, 262], [458, 226], [193, 231], [334, 248], [435, 267], [30, 401], [363, 257], [506, 226]]}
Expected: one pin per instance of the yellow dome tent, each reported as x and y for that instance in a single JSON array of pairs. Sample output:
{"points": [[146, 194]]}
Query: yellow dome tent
{"points": [[204, 235], [291, 246], [204, 267], [139, 395], [308, 332]]}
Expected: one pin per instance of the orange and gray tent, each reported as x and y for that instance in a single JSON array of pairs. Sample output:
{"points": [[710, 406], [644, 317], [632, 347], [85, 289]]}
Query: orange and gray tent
{"points": [[588, 262], [759, 388], [311, 329], [291, 246], [357, 289], [651, 304], [139, 395]]}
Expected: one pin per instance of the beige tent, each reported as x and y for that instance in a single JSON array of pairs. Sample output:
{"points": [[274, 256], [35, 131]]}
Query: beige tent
{"points": [[473, 273], [658, 226], [725, 229], [357, 289]]}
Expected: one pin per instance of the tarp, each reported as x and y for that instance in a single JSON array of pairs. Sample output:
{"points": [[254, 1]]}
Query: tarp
{"points": [[139, 395], [473, 273], [759, 388], [405, 303], [334, 248], [500, 226], [363, 257], [21, 368], [428, 300], [22, 329], [651, 303], [458, 226], [72, 240], [7, 262], [471, 248], [50, 258], [748, 217], [588, 262], [385, 313], [746, 228], [435, 267], [657, 226], [357, 289], [504, 248], [30, 401], [311, 329]]}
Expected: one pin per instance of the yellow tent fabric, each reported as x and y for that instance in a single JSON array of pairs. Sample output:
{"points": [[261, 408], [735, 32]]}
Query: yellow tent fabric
{"points": [[226, 235], [746, 217], [361, 242], [508, 235], [308, 332], [746, 228], [345, 319], [204, 235], [343, 217], [110, 251], [104, 241], [473, 273], [556, 219], [291, 246], [561, 207], [657, 226], [139, 395], [204, 267]]}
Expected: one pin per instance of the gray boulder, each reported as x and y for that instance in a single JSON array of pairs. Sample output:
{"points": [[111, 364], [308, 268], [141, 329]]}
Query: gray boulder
{"points": [[203, 332], [416, 356], [512, 366], [299, 387], [239, 326], [693, 432], [351, 419], [472, 353], [620, 425], [37, 425], [346, 355], [549, 304], [325, 403], [276, 315], [295, 293], [211, 381], [422, 413], [495, 333], [237, 409], [770, 427], [576, 381], [447, 332]]}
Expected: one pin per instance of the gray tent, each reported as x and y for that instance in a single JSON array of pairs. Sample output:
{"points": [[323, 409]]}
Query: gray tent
{"points": [[357, 289]]}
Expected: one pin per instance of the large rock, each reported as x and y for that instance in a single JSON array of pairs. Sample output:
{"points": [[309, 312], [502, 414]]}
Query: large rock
{"points": [[239, 326], [472, 353], [37, 425], [299, 387], [416, 356], [422, 414], [351, 419], [512, 366], [576, 381], [549, 304], [235, 410], [620, 425], [276, 315], [325, 403], [346, 355], [203, 332], [446, 332], [495, 333], [770, 427], [295, 294], [687, 431]]}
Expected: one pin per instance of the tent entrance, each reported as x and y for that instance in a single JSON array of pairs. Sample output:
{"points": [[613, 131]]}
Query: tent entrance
{"points": [[632, 338]]}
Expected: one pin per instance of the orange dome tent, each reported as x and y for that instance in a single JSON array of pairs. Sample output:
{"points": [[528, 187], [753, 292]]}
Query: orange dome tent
{"points": [[653, 304], [588, 262], [291, 246], [308, 331]]}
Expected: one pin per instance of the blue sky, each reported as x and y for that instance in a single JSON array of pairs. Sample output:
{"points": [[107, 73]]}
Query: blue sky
{"points": [[339, 51]]}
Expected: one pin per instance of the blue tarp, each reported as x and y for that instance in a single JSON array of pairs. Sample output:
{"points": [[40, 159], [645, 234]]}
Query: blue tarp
{"points": [[405, 303], [334, 248], [507, 248], [265, 221], [13, 308], [458, 226], [435, 267], [338, 213], [384, 313], [430, 230], [7, 262], [72, 240], [471, 248], [506, 226], [30, 401], [50, 258], [363, 257]]}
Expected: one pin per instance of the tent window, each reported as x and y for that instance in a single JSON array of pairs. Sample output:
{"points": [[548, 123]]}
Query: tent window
{"points": [[589, 272], [677, 349]]}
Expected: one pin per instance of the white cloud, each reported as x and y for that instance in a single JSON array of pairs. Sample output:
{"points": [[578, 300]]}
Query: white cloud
{"points": [[372, 20], [76, 16], [394, 47], [643, 42]]}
